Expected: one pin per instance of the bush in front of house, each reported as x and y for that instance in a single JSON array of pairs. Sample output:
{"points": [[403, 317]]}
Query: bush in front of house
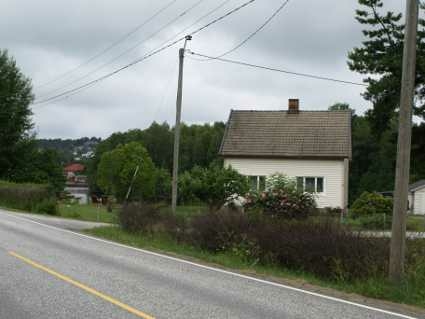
{"points": [[324, 248], [220, 230], [139, 217], [37, 198], [371, 204], [282, 199], [321, 247], [212, 185]]}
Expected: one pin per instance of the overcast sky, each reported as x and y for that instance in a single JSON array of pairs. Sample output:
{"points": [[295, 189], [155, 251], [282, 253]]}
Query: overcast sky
{"points": [[50, 37]]}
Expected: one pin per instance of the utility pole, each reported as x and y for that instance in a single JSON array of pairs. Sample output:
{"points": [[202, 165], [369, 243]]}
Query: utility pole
{"points": [[398, 236], [177, 127]]}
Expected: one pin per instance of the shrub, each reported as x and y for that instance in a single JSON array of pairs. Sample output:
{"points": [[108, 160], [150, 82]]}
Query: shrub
{"points": [[139, 217], [323, 248], [279, 182], [219, 231], [213, 185], [25, 196], [371, 204], [190, 185], [174, 225], [162, 185], [47, 206], [282, 199]]}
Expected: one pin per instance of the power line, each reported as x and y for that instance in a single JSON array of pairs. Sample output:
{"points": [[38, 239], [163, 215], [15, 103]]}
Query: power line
{"points": [[261, 27], [183, 13], [112, 45], [93, 82], [197, 20], [317, 77]]}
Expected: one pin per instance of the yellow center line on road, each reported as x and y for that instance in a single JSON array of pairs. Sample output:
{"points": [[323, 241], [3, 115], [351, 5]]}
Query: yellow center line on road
{"points": [[75, 283]]}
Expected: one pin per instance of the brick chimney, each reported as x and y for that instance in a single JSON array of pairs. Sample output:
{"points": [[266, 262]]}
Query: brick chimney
{"points": [[293, 106]]}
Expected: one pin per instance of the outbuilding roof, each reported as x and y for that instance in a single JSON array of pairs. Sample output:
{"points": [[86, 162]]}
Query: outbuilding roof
{"points": [[304, 134], [417, 185]]}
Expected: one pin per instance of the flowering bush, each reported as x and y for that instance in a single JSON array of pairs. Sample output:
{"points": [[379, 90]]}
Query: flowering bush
{"points": [[281, 199]]}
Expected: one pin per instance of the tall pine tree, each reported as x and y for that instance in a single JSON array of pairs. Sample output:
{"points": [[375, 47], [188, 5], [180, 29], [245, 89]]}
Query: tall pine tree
{"points": [[379, 58]]}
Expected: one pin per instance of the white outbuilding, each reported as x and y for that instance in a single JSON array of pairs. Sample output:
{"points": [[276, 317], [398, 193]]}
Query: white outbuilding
{"points": [[417, 197]]}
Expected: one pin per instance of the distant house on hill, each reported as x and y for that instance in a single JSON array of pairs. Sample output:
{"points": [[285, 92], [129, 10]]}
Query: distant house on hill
{"points": [[74, 168], [314, 147], [76, 183]]}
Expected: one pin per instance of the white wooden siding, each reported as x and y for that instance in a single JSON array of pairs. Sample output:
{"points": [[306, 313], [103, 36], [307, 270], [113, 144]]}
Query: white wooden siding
{"points": [[331, 170], [419, 205]]}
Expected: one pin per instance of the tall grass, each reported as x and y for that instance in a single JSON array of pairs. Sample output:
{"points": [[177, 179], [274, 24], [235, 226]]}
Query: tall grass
{"points": [[29, 197]]}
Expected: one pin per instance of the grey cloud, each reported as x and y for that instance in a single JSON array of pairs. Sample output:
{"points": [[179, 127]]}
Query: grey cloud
{"points": [[52, 36]]}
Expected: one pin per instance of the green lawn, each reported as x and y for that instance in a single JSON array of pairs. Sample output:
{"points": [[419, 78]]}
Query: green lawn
{"points": [[408, 293], [88, 212], [414, 223]]}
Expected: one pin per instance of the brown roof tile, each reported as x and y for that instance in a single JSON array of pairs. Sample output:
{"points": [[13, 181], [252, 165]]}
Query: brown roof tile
{"points": [[325, 134]]}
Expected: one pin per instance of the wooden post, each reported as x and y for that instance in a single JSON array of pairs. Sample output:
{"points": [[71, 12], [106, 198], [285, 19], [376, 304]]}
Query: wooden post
{"points": [[398, 236], [177, 128]]}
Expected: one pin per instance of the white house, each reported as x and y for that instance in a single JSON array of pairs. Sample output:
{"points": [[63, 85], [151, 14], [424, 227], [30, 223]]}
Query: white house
{"points": [[417, 198], [314, 147]]}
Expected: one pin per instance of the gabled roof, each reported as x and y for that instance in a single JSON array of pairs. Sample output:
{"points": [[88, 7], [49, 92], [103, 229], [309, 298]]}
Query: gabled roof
{"points": [[75, 167], [306, 134], [418, 185]]}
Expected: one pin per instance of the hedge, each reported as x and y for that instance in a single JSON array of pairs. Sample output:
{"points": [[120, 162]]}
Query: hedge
{"points": [[29, 197]]}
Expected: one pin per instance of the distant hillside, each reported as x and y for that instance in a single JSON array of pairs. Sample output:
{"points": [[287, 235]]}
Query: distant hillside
{"points": [[71, 150]]}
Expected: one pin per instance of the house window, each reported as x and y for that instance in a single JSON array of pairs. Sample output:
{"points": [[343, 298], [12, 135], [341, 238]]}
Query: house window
{"points": [[310, 184], [257, 183]]}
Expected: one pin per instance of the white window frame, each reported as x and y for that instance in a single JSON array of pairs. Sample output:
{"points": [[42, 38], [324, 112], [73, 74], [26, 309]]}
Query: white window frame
{"points": [[258, 177], [315, 183]]}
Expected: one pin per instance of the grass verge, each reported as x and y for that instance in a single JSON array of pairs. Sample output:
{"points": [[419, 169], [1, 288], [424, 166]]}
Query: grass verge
{"points": [[87, 213], [379, 288]]}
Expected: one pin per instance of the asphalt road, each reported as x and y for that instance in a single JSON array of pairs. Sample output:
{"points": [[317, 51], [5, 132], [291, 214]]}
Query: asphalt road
{"points": [[47, 272]]}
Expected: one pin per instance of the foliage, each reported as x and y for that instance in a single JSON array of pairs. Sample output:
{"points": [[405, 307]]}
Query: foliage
{"points": [[371, 222], [199, 145], [47, 206], [323, 248], [21, 161], [138, 217], [40, 167], [15, 113], [282, 199], [212, 185], [219, 231], [29, 197], [82, 147], [278, 181], [371, 204], [117, 169], [162, 185], [190, 185], [339, 107], [380, 59]]}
